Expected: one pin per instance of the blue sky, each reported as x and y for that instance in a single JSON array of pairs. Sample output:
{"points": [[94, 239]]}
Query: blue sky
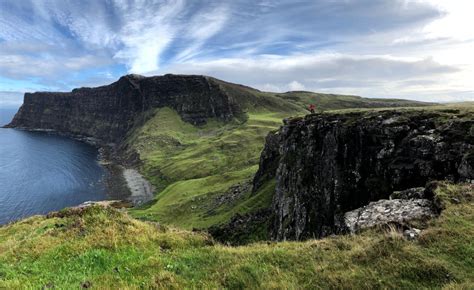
{"points": [[416, 49]]}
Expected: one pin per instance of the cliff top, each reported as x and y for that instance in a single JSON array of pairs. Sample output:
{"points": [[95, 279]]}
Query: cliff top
{"points": [[249, 97]]}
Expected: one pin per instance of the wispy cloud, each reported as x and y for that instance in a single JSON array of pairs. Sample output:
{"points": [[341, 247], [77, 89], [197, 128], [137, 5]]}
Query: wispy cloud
{"points": [[146, 33], [134, 33], [408, 48], [202, 27]]}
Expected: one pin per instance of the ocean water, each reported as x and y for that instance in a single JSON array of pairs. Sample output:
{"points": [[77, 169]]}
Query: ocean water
{"points": [[41, 172], [6, 115]]}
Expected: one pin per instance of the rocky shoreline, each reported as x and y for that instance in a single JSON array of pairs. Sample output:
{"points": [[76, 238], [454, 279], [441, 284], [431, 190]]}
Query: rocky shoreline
{"points": [[122, 182], [141, 189]]}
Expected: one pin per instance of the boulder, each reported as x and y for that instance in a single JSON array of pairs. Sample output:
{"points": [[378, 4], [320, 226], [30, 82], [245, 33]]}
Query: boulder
{"points": [[399, 212]]}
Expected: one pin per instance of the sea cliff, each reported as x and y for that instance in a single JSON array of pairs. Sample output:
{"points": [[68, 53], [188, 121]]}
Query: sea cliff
{"points": [[109, 112], [326, 165]]}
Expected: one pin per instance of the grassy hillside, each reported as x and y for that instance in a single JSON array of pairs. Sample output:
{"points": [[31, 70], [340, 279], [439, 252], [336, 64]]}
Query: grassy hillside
{"points": [[297, 100], [334, 102], [195, 168], [104, 248]]}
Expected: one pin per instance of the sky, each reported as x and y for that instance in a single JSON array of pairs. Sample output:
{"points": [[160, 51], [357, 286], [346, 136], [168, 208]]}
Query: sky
{"points": [[412, 49]]}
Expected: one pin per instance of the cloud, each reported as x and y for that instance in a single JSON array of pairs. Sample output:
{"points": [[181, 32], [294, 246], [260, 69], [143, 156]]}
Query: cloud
{"points": [[323, 72], [314, 67], [10, 99], [202, 27], [375, 48], [48, 67], [134, 33], [296, 86], [458, 14], [146, 33]]}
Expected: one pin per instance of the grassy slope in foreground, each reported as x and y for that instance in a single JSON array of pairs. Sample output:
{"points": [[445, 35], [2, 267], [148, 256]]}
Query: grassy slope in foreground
{"points": [[107, 249], [193, 167]]}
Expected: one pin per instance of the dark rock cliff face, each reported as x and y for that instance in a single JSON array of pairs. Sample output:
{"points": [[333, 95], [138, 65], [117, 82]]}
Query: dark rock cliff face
{"points": [[326, 165], [108, 112]]}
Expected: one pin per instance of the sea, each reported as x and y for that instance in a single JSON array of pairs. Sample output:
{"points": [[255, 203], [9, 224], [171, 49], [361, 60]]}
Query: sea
{"points": [[42, 172]]}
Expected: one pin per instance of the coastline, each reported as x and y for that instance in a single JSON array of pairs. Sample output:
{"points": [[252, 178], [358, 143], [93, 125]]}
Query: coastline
{"points": [[123, 183], [141, 189]]}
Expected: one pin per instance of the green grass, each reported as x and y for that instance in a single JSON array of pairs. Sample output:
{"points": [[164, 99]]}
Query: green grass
{"points": [[191, 166], [325, 102], [109, 249]]}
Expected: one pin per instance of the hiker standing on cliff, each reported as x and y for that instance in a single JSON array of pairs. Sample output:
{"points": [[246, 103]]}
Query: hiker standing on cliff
{"points": [[312, 108]]}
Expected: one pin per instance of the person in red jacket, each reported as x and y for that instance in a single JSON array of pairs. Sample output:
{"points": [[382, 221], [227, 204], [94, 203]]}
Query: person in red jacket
{"points": [[312, 108]]}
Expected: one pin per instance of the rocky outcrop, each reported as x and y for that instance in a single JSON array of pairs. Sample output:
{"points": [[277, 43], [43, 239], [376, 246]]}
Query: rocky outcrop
{"points": [[232, 194], [406, 209], [398, 212], [109, 112], [326, 165], [243, 228]]}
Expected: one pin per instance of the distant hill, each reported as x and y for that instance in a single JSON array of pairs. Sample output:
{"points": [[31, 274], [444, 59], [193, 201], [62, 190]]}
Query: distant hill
{"points": [[334, 102], [252, 98]]}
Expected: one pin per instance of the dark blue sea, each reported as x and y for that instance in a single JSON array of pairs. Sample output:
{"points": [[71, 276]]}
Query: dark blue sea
{"points": [[40, 172]]}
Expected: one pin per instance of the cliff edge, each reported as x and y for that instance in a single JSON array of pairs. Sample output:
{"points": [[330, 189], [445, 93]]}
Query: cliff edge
{"points": [[109, 112], [326, 165]]}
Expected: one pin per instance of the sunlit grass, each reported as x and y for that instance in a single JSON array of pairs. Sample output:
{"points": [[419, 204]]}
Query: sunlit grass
{"points": [[108, 249], [190, 166]]}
